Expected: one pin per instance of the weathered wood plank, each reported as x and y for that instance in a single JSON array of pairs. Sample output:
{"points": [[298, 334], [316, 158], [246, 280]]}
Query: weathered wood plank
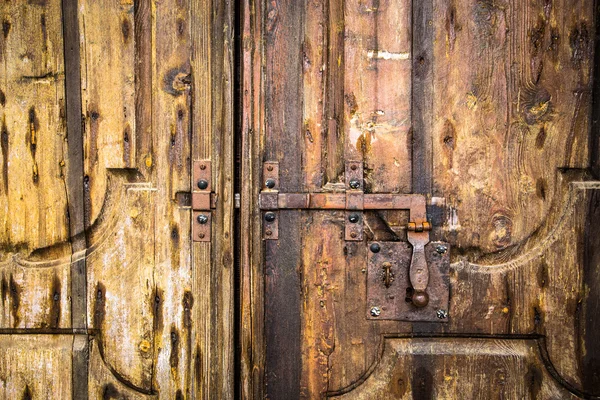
{"points": [[35, 366], [448, 368], [511, 105], [283, 137], [251, 283], [33, 200]]}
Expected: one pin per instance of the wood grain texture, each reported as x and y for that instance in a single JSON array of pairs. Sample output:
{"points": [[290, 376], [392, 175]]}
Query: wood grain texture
{"points": [[511, 96], [450, 368], [33, 130], [489, 107], [251, 282], [35, 366]]}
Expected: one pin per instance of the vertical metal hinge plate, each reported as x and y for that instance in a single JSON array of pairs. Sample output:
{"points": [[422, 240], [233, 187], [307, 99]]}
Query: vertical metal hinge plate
{"points": [[201, 201]]}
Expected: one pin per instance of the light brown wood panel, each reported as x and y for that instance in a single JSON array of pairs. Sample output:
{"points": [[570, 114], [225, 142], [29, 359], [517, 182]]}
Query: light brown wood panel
{"points": [[512, 87], [33, 201], [35, 366], [107, 31], [448, 368]]}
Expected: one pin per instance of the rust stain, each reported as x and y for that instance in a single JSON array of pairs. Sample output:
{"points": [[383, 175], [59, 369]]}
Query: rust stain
{"points": [[27, 394], [5, 28], [55, 311], [451, 27], [99, 308], [157, 311], [579, 40], [34, 126], [180, 27], [188, 304], [363, 144], [15, 300], [94, 118], [174, 356], [541, 137], [127, 145], [110, 392], [4, 147], [126, 29]]}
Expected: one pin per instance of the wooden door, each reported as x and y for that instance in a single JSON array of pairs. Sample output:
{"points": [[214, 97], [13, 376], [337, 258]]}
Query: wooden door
{"points": [[104, 108], [482, 109]]}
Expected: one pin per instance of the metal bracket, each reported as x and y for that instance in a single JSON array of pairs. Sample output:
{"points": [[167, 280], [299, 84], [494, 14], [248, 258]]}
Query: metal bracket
{"points": [[390, 293], [354, 201], [202, 201]]}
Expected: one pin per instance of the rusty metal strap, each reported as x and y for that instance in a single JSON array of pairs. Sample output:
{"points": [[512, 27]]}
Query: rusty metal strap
{"points": [[350, 200]]}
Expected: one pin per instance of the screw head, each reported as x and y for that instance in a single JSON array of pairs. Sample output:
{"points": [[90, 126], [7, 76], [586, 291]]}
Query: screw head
{"points": [[442, 314], [375, 311], [353, 167], [375, 247], [354, 218], [201, 235], [202, 167], [270, 217], [353, 235], [269, 168], [354, 183], [268, 232], [202, 219], [441, 249], [270, 183], [202, 184]]}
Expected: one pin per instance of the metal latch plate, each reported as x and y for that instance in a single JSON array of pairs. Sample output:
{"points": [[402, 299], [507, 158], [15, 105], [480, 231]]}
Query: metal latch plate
{"points": [[388, 283]]}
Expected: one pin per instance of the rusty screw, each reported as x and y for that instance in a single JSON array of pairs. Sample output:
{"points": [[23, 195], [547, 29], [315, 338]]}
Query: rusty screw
{"points": [[353, 167], [375, 311], [441, 249], [270, 183], [354, 184], [442, 314], [270, 168], [201, 235], [202, 184], [202, 167], [353, 235], [354, 218], [202, 219], [268, 232], [270, 217]]}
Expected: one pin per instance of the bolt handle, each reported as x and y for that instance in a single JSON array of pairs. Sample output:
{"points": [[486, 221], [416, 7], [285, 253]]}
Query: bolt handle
{"points": [[419, 275]]}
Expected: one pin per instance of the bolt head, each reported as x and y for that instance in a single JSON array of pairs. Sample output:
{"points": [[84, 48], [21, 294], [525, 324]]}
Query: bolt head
{"points": [[375, 311], [202, 219], [375, 247], [442, 314], [420, 299], [441, 249], [354, 218], [270, 217], [270, 183], [354, 184], [202, 184]]}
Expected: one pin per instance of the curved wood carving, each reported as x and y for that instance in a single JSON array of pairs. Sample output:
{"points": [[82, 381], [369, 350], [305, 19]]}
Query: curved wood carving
{"points": [[446, 367]]}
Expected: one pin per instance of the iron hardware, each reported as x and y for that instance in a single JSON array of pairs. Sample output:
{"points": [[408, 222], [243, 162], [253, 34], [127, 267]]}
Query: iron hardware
{"points": [[354, 201], [203, 201]]}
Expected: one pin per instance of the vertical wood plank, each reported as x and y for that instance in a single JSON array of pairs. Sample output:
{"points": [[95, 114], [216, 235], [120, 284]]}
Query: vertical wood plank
{"points": [[251, 328], [283, 137]]}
